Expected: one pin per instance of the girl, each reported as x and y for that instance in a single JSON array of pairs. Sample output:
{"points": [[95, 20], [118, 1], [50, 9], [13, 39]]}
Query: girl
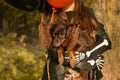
{"points": [[90, 59]]}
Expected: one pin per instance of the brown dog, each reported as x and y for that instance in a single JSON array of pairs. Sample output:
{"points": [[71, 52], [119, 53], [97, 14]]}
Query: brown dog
{"points": [[70, 38]]}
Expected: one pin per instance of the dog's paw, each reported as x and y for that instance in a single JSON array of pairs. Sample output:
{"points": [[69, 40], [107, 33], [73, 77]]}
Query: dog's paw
{"points": [[72, 59], [60, 55]]}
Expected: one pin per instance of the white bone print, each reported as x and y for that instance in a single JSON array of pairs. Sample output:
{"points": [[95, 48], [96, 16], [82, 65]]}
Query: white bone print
{"points": [[104, 43]]}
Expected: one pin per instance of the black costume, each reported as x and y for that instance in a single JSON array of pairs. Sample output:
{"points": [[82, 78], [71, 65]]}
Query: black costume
{"points": [[57, 71]]}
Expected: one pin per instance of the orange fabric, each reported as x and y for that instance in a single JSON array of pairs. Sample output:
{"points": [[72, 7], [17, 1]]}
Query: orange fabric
{"points": [[59, 3]]}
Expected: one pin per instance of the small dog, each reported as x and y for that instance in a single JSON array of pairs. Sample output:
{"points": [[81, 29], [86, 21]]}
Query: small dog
{"points": [[69, 38]]}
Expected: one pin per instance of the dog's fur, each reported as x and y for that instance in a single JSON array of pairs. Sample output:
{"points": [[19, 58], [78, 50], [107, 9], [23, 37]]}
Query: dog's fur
{"points": [[72, 38]]}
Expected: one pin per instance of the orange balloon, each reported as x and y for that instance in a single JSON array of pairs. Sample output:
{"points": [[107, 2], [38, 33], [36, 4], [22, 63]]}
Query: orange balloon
{"points": [[59, 3]]}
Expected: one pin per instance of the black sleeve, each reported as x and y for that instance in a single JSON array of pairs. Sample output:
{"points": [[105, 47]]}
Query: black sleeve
{"points": [[100, 37], [93, 49]]}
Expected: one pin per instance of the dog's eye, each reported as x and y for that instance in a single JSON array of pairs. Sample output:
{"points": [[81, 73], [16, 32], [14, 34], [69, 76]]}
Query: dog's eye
{"points": [[62, 35], [53, 34]]}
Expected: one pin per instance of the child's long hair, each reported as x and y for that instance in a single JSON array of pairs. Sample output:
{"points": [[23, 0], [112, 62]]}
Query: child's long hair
{"points": [[82, 16]]}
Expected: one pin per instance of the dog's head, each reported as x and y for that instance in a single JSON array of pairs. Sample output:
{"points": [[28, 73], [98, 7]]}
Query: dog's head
{"points": [[58, 33]]}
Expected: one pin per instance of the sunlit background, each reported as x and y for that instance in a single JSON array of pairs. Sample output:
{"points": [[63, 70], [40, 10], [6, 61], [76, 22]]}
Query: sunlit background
{"points": [[22, 59]]}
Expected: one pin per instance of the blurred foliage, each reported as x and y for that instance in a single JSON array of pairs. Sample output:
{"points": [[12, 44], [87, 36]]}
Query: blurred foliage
{"points": [[21, 22], [20, 56], [22, 59], [18, 62]]}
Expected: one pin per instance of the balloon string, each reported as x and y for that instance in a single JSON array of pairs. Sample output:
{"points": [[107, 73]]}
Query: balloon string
{"points": [[52, 17]]}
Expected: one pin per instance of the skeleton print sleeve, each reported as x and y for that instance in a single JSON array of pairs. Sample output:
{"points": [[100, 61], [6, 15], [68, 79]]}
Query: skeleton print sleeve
{"points": [[92, 55], [101, 44]]}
